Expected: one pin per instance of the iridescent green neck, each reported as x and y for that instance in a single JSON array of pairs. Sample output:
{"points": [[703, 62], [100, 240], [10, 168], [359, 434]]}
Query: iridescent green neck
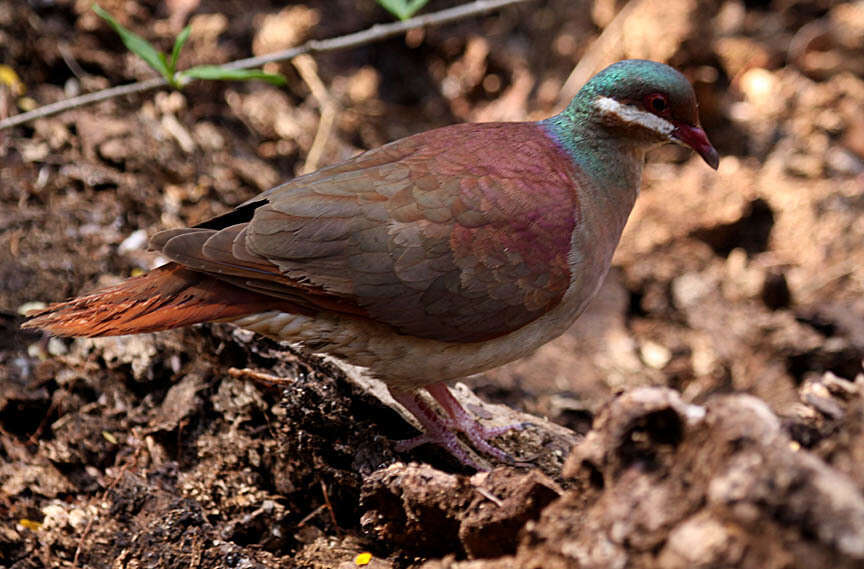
{"points": [[564, 129], [576, 128], [611, 160]]}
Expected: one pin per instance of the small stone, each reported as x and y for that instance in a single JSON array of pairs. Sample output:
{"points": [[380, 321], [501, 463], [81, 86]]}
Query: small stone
{"points": [[77, 518], [841, 162], [689, 288], [288, 28], [32, 151], [363, 85], [32, 305], [56, 516], [136, 240], [57, 347], [36, 351], [654, 355]]}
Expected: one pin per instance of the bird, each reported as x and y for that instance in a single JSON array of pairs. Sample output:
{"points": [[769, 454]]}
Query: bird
{"points": [[428, 259]]}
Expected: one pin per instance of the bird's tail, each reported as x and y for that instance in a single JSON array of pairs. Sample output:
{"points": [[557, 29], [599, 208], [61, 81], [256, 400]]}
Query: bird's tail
{"points": [[167, 297]]}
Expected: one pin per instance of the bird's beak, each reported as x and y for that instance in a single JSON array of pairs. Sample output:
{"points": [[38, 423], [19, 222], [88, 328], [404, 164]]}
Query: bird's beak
{"points": [[695, 138]]}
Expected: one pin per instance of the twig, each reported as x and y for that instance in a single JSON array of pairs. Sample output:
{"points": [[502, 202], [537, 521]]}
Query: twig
{"points": [[328, 504], [310, 515], [592, 59], [75, 102], [34, 438], [369, 35], [67, 56], [306, 67], [259, 377], [84, 535], [489, 496]]}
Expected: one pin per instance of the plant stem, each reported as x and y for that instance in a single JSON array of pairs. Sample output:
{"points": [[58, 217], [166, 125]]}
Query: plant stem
{"points": [[369, 35]]}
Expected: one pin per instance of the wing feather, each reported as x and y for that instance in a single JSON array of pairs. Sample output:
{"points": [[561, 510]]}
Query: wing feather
{"points": [[434, 235]]}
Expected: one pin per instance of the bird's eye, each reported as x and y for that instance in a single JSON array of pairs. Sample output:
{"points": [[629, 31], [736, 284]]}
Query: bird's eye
{"points": [[657, 103]]}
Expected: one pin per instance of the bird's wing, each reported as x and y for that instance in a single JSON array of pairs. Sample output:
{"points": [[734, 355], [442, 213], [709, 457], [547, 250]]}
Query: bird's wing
{"points": [[460, 234]]}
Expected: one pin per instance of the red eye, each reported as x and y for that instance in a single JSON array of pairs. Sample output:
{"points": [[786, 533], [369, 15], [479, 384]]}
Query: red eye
{"points": [[657, 104]]}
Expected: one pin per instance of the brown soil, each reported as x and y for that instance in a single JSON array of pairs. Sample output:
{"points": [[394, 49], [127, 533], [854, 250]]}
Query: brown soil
{"points": [[707, 411]]}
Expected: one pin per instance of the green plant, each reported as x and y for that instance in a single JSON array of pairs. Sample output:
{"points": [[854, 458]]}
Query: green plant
{"points": [[167, 66], [403, 9]]}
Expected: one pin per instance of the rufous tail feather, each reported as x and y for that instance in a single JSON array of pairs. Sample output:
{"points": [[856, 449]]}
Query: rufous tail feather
{"points": [[167, 297]]}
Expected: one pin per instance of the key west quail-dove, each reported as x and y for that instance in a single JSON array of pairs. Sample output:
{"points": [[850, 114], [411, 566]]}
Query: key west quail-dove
{"points": [[436, 256]]}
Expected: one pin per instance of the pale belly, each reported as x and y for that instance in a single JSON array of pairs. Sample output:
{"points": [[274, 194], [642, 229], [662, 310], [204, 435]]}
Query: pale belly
{"points": [[402, 361]]}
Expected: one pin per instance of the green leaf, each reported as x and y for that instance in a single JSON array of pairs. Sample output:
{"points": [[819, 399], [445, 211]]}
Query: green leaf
{"points": [[136, 44], [403, 9], [178, 45], [215, 72]]}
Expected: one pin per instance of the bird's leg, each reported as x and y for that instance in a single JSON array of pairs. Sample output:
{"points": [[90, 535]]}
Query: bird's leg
{"points": [[464, 422], [436, 429], [441, 431]]}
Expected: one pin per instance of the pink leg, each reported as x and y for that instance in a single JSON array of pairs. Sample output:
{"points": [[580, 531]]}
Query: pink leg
{"points": [[437, 430], [442, 430], [465, 423]]}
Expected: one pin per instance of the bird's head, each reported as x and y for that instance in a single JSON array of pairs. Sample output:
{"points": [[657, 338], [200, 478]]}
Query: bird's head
{"points": [[648, 102]]}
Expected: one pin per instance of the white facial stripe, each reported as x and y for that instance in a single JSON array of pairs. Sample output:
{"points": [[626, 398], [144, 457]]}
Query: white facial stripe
{"points": [[634, 115]]}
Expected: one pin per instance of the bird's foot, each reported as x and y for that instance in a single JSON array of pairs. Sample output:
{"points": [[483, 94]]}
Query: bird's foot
{"points": [[442, 431], [442, 438], [465, 423]]}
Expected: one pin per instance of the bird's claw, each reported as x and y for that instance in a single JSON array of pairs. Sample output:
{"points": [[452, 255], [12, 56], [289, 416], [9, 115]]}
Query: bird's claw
{"points": [[442, 430]]}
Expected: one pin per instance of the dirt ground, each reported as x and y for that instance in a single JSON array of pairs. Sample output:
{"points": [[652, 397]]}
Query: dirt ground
{"points": [[707, 411]]}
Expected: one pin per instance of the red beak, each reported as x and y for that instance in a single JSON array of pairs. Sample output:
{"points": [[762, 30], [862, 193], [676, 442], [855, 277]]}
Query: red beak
{"points": [[695, 138]]}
